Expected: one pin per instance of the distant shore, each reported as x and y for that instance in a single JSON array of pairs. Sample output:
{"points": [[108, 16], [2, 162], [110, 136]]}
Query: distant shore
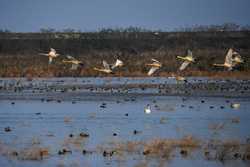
{"points": [[54, 89]]}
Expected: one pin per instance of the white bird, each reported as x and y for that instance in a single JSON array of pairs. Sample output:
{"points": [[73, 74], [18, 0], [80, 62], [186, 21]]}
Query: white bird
{"points": [[230, 62], [106, 68], [118, 63], [235, 105], [75, 63], [155, 65], [52, 54], [187, 60], [147, 110]]}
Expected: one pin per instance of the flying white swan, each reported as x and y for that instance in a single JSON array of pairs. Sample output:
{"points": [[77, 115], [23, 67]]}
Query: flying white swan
{"points": [[230, 61], [52, 54], [118, 63], [187, 60], [155, 65], [75, 63], [106, 68]]}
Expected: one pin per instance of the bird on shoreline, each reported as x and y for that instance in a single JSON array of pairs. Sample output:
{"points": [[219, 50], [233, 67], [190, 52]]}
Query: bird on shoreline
{"points": [[52, 54], [155, 65], [75, 63], [230, 61], [106, 68], [187, 60]]}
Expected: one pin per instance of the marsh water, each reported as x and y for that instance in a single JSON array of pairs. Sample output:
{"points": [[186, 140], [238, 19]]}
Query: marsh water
{"points": [[107, 119]]}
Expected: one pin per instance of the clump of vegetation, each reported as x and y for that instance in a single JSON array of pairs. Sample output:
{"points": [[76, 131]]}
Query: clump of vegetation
{"points": [[33, 152], [165, 147]]}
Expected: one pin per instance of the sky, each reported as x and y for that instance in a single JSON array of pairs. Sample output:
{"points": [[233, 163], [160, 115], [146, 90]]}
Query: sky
{"points": [[91, 15]]}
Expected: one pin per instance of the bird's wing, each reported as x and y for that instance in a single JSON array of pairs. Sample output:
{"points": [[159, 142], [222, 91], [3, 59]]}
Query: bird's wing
{"points": [[184, 65], [50, 60], [105, 65], [44, 54], [228, 59], [190, 53], [152, 70], [74, 66], [70, 57], [117, 63], [154, 60]]}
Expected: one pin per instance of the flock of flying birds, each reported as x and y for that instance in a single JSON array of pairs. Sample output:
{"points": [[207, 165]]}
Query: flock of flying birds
{"points": [[232, 59]]}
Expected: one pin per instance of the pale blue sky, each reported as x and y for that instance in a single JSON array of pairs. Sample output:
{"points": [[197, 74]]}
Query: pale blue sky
{"points": [[31, 15]]}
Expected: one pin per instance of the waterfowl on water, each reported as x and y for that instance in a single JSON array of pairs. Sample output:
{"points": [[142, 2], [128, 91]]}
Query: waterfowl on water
{"points": [[155, 65], [235, 105], [147, 110]]}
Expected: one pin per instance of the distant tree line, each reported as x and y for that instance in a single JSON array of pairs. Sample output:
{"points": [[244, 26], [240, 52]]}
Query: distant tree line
{"points": [[134, 29], [214, 28]]}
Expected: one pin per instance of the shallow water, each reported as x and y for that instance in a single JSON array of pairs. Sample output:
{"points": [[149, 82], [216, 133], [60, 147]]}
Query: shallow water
{"points": [[50, 123]]}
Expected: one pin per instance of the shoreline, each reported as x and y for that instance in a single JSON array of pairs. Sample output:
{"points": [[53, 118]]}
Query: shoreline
{"points": [[112, 87]]}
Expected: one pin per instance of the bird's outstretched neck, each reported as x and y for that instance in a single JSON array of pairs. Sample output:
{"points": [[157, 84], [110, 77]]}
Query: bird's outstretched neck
{"points": [[219, 65], [180, 57]]}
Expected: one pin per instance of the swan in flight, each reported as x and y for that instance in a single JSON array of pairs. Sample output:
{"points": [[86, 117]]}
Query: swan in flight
{"points": [[155, 65], [187, 60], [231, 61], [75, 63], [52, 54], [118, 63], [106, 68]]}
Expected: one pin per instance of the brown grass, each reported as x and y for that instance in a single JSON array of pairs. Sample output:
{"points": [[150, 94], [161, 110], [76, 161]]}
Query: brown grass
{"points": [[32, 65], [77, 142], [33, 153]]}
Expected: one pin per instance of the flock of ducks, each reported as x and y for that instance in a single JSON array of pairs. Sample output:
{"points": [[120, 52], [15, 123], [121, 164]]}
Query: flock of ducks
{"points": [[232, 59]]}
